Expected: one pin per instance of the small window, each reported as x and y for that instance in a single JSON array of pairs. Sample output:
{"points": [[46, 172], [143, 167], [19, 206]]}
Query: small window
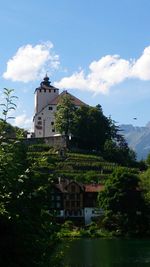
{"points": [[53, 130], [49, 90], [78, 196], [72, 196], [66, 196], [54, 90], [58, 204], [67, 204], [39, 122], [78, 203], [50, 108], [40, 90], [58, 197], [73, 188], [73, 204], [70, 212], [58, 212], [52, 197], [52, 205], [75, 213], [52, 123], [44, 90], [39, 118]]}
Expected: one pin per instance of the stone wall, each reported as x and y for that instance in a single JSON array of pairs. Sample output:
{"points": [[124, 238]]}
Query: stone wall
{"points": [[53, 141]]}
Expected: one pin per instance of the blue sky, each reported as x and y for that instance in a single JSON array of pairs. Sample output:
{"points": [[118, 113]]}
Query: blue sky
{"points": [[98, 50]]}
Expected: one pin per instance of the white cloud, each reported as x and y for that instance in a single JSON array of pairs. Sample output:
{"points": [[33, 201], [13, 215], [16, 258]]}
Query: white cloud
{"points": [[30, 62], [23, 121], [141, 68], [108, 71]]}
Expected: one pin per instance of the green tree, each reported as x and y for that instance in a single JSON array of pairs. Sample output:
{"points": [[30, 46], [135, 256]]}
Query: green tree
{"points": [[123, 203], [64, 116], [119, 152], [92, 127], [9, 131], [148, 160], [9, 104], [145, 183], [27, 228]]}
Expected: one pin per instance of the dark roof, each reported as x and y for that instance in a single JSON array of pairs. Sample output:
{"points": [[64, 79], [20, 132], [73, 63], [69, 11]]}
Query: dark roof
{"points": [[75, 100], [87, 188], [46, 84]]}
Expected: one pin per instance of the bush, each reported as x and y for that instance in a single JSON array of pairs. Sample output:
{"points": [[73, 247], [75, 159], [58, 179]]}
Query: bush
{"points": [[39, 148]]}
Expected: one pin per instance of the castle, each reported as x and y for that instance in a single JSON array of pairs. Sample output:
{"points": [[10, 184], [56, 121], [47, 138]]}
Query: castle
{"points": [[46, 99]]}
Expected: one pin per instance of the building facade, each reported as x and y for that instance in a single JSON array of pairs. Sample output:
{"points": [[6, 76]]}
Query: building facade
{"points": [[46, 99], [75, 201]]}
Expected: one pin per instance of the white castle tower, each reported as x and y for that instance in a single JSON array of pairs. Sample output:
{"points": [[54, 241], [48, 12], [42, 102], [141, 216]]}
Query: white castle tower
{"points": [[44, 110]]}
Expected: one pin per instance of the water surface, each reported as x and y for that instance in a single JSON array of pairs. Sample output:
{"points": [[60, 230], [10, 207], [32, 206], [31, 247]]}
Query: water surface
{"points": [[108, 253]]}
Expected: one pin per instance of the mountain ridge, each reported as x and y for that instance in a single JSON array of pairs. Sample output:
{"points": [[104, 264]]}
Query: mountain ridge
{"points": [[138, 138]]}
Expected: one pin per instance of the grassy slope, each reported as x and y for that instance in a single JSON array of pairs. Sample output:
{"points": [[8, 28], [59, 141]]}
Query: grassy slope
{"points": [[75, 166]]}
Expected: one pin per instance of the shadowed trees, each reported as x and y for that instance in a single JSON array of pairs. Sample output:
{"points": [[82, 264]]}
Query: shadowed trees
{"points": [[92, 130], [123, 203]]}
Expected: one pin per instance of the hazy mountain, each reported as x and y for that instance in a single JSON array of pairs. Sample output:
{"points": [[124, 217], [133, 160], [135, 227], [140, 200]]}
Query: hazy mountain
{"points": [[138, 138]]}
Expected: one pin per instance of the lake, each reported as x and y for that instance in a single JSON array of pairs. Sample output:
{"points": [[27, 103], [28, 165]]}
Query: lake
{"points": [[107, 253]]}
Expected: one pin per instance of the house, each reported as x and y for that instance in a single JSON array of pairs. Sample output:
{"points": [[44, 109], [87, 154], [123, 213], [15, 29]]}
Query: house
{"points": [[75, 201], [46, 99]]}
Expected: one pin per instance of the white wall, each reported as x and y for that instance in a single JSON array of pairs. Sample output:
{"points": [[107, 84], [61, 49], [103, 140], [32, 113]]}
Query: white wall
{"points": [[47, 118], [43, 97], [91, 212]]}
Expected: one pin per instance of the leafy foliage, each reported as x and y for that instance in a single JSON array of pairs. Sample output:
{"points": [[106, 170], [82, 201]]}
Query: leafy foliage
{"points": [[9, 104], [123, 203], [92, 130], [145, 184], [9, 131], [92, 127], [64, 117], [28, 230]]}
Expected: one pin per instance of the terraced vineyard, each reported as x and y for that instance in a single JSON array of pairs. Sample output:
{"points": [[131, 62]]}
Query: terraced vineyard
{"points": [[75, 166]]}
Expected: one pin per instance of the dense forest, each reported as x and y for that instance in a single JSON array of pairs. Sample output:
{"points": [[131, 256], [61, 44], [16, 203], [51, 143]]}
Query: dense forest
{"points": [[98, 152]]}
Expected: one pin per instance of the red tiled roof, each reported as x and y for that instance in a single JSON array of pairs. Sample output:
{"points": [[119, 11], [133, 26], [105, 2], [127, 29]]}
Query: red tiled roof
{"points": [[94, 187], [74, 99]]}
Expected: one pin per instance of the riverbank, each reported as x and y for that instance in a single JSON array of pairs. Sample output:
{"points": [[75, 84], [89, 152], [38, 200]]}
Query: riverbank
{"points": [[68, 230]]}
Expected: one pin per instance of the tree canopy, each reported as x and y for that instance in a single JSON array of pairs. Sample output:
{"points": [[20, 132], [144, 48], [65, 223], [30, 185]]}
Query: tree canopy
{"points": [[64, 117], [92, 130], [123, 203], [27, 228]]}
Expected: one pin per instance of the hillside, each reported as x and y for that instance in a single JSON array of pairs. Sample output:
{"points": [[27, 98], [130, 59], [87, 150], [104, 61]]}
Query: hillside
{"points": [[138, 139], [85, 168]]}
